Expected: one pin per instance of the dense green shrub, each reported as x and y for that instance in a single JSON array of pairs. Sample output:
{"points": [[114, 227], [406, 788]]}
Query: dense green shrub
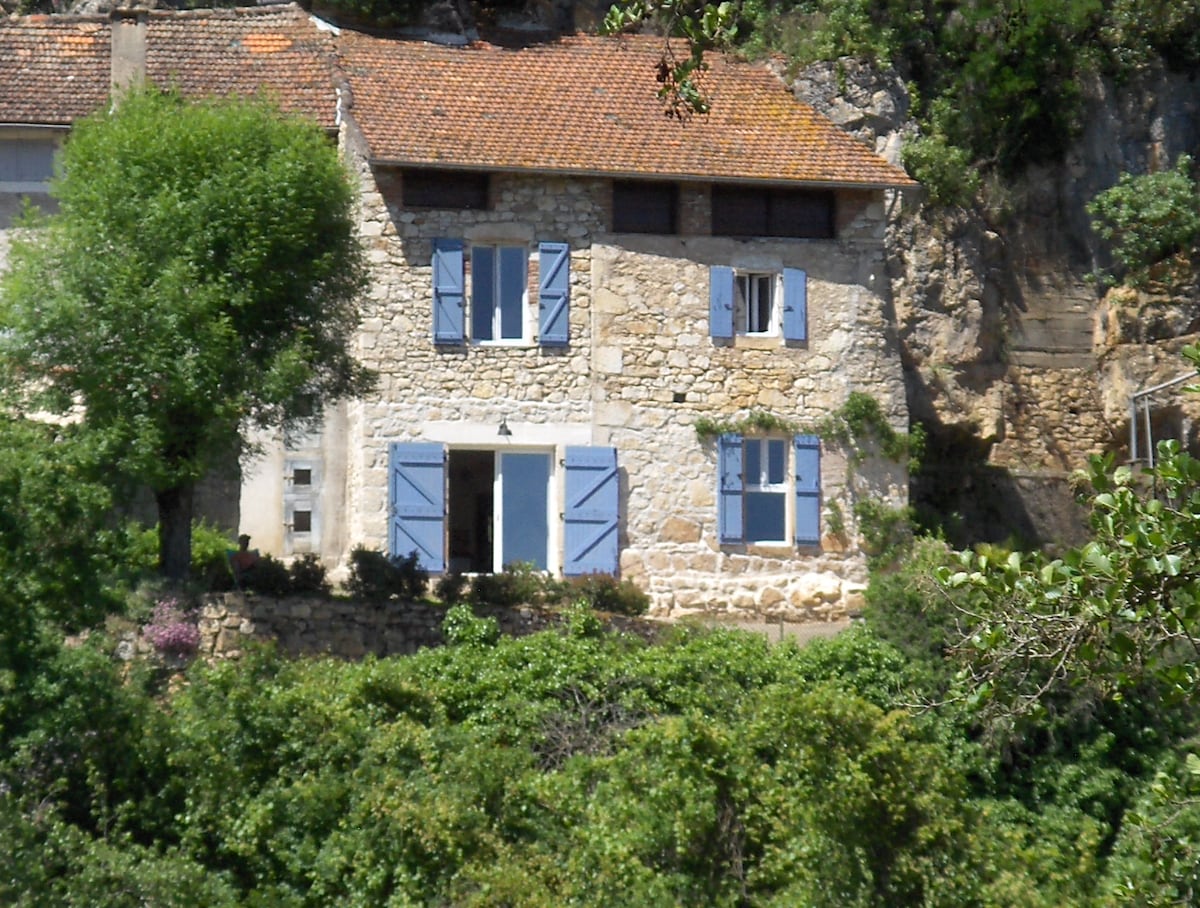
{"points": [[211, 546], [1149, 219], [605, 593], [375, 575], [517, 584], [945, 170], [268, 576], [463, 627], [306, 574], [451, 588]]}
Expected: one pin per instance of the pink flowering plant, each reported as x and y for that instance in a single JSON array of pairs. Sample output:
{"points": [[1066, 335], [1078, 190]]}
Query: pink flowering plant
{"points": [[173, 629]]}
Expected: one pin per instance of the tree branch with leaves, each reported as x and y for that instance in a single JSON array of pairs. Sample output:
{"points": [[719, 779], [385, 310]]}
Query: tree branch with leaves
{"points": [[201, 276]]}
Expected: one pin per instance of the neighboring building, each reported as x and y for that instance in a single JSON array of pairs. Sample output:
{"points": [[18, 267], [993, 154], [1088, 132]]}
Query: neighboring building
{"points": [[566, 281]]}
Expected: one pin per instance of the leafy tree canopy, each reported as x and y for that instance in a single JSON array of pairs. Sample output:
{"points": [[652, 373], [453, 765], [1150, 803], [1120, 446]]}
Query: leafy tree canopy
{"points": [[201, 275]]}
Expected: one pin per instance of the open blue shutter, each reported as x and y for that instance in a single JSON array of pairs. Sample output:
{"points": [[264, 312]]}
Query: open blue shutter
{"points": [[795, 304], [730, 518], [590, 518], [448, 292], [720, 302], [554, 293], [416, 503], [808, 489]]}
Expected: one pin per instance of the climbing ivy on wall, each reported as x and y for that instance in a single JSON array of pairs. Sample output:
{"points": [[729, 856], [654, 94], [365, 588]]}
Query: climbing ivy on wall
{"points": [[858, 421]]}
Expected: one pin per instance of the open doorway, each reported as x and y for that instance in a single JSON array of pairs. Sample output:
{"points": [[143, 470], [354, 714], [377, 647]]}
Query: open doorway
{"points": [[498, 509]]}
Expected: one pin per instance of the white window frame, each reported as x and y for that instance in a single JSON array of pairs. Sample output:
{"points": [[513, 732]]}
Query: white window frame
{"points": [[497, 338], [762, 484], [748, 286]]}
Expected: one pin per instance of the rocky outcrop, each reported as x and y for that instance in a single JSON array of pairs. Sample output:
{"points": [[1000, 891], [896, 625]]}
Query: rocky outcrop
{"points": [[1016, 361]]}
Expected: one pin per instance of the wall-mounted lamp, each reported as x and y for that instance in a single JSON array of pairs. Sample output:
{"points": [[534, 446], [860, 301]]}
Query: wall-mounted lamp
{"points": [[504, 431]]}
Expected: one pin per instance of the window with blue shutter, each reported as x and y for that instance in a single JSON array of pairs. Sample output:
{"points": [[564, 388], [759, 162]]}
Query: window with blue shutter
{"points": [[554, 294], [720, 302], [795, 304], [449, 297], [498, 276], [591, 513], [807, 457], [753, 487], [417, 503], [730, 523]]}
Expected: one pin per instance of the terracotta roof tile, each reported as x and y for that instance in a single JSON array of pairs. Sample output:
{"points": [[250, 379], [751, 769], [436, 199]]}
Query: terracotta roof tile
{"points": [[55, 69], [589, 105], [278, 50]]}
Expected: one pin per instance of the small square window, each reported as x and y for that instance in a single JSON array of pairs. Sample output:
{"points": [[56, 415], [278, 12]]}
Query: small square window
{"points": [[302, 521], [302, 477], [756, 303]]}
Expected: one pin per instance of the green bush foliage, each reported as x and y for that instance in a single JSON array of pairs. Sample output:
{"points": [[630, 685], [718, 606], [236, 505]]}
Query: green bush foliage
{"points": [[451, 588], [375, 575], [605, 593], [463, 627], [517, 584], [211, 546], [1150, 219], [306, 574], [268, 576]]}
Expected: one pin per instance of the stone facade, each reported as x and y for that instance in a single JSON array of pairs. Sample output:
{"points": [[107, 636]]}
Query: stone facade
{"points": [[639, 371]]}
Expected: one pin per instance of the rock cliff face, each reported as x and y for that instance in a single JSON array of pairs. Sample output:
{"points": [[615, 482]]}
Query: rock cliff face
{"points": [[1016, 361]]}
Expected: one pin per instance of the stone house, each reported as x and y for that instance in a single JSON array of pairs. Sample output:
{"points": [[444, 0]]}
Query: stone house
{"points": [[567, 284]]}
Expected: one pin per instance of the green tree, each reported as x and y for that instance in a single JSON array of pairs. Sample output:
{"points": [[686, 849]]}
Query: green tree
{"points": [[201, 277], [1104, 621]]}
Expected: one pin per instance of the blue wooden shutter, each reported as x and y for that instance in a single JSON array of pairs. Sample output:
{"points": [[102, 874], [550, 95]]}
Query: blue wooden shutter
{"points": [[808, 489], [590, 518], [730, 516], [795, 304], [417, 503], [448, 292], [554, 293], [720, 302]]}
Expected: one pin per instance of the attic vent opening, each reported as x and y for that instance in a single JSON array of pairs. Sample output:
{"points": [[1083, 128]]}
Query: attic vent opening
{"points": [[454, 189]]}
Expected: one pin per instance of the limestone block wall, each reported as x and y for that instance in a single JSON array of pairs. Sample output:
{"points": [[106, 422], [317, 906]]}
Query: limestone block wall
{"points": [[657, 372], [638, 373]]}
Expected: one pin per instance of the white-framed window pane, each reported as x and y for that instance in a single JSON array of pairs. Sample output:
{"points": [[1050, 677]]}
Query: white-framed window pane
{"points": [[776, 461], [498, 282], [512, 292], [752, 455], [765, 463], [755, 303], [483, 291], [766, 516]]}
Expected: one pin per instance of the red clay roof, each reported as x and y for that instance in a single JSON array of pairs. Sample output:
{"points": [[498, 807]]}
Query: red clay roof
{"points": [[55, 69], [589, 105], [279, 51]]}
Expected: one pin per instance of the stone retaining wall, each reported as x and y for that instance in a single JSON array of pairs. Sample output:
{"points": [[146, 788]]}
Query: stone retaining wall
{"points": [[352, 629]]}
